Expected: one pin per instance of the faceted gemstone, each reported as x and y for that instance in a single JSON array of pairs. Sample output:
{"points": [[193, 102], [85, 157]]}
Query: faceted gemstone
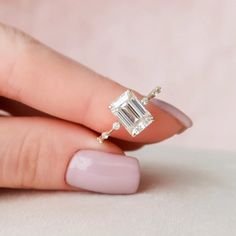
{"points": [[105, 135], [116, 125], [156, 91], [131, 113], [144, 101]]}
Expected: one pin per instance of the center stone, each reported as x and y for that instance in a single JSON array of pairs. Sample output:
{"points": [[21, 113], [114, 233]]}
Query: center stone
{"points": [[131, 113]]}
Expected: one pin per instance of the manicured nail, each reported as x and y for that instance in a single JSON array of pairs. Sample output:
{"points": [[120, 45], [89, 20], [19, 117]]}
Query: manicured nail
{"points": [[175, 112], [103, 172]]}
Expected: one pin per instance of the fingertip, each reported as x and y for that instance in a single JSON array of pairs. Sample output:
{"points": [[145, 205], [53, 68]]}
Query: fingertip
{"points": [[103, 172], [168, 121]]}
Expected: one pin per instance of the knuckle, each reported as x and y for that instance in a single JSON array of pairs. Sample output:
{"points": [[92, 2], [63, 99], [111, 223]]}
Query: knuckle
{"points": [[19, 161], [27, 159], [27, 156]]}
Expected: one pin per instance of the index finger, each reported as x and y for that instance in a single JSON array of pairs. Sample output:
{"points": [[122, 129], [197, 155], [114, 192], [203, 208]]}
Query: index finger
{"points": [[50, 82]]}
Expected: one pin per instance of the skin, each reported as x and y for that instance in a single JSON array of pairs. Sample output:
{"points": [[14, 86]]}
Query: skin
{"points": [[58, 108]]}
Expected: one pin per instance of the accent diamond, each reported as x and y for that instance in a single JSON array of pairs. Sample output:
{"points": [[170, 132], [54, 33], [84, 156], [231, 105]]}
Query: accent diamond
{"points": [[116, 125], [144, 101], [105, 135]]}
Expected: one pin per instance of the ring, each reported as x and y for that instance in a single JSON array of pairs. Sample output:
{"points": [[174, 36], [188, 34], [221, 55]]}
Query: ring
{"points": [[131, 113]]}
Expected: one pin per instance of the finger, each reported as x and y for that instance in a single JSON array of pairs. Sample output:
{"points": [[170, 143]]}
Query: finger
{"points": [[43, 153], [125, 145], [19, 109], [43, 79]]}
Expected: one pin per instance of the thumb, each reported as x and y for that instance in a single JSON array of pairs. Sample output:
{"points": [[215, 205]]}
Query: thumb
{"points": [[45, 153]]}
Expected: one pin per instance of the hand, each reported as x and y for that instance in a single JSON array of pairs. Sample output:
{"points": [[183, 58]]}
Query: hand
{"points": [[58, 107]]}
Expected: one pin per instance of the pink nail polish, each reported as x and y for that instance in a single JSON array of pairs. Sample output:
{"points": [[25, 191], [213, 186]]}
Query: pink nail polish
{"points": [[103, 172], [175, 112]]}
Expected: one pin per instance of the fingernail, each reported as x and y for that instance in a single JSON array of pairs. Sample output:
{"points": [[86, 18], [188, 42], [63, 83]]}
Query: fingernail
{"points": [[103, 172], [175, 112]]}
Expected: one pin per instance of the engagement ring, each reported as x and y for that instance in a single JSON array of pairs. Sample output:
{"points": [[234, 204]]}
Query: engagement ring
{"points": [[131, 113]]}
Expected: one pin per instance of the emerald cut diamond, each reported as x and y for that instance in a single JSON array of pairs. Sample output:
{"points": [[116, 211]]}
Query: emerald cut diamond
{"points": [[131, 113]]}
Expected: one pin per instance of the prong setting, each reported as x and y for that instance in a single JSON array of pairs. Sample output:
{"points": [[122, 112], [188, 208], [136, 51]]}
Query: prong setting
{"points": [[105, 135], [153, 94], [131, 113]]}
